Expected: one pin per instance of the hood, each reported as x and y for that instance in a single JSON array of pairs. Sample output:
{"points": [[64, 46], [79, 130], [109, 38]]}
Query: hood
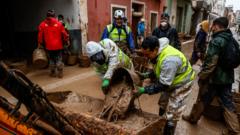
{"points": [[163, 42], [93, 48], [205, 25], [227, 34], [51, 21]]}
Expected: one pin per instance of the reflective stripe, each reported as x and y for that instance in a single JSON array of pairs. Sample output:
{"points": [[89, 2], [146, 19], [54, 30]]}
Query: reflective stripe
{"points": [[184, 75], [124, 59], [103, 44], [114, 35]]}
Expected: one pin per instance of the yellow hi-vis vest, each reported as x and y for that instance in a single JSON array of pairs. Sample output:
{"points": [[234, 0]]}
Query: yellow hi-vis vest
{"points": [[115, 36], [187, 74], [125, 61]]}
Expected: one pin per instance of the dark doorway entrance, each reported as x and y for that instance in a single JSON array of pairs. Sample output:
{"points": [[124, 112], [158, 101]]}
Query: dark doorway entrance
{"points": [[137, 14]]}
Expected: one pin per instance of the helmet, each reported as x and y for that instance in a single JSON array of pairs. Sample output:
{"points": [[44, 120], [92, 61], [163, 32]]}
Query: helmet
{"points": [[118, 13], [93, 48], [165, 15], [142, 20]]}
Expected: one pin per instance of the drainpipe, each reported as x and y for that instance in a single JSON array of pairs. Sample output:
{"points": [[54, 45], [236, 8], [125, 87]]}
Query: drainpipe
{"points": [[83, 20]]}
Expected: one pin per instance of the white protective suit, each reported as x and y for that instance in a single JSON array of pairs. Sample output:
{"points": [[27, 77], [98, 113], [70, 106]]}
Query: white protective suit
{"points": [[115, 58]]}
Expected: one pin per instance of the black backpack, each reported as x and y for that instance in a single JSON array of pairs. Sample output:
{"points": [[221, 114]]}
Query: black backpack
{"points": [[231, 55]]}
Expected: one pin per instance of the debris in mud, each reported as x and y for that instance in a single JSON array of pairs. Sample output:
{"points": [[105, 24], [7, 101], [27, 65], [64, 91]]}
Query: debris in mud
{"points": [[93, 115], [117, 101], [83, 112], [120, 100]]}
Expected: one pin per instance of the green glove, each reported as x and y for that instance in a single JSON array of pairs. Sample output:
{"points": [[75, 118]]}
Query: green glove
{"points": [[141, 90], [105, 84]]}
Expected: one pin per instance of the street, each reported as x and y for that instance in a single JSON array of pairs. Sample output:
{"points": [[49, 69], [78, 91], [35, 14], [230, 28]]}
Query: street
{"points": [[85, 81]]}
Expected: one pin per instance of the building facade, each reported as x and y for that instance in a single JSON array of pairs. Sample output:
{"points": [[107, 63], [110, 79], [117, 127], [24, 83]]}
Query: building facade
{"points": [[23, 17], [100, 14], [180, 12], [218, 6]]}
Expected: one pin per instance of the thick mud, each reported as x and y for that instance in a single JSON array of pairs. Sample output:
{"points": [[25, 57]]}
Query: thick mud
{"points": [[72, 104], [117, 101]]}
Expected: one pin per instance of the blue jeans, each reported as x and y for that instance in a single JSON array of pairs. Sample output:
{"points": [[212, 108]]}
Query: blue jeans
{"points": [[223, 92]]}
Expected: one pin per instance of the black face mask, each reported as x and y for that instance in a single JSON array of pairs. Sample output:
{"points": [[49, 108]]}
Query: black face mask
{"points": [[99, 58]]}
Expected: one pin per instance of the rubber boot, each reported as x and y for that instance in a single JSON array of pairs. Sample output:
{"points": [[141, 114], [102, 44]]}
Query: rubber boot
{"points": [[232, 122], [169, 128], [161, 111], [195, 114], [52, 71], [60, 70]]}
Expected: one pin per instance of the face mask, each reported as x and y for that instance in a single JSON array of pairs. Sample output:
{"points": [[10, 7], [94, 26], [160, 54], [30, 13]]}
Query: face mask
{"points": [[164, 24], [99, 58]]}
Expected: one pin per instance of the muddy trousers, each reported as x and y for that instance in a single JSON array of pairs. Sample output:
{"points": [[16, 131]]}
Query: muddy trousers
{"points": [[195, 57], [224, 94], [175, 103], [55, 63]]}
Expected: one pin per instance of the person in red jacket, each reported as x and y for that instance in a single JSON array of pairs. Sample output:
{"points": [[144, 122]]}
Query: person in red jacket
{"points": [[52, 34]]}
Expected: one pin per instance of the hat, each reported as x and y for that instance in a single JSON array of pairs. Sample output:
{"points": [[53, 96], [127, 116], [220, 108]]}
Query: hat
{"points": [[205, 25], [92, 48]]}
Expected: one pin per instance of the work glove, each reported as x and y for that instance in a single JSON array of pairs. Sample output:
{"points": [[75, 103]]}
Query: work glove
{"points": [[138, 92], [105, 85]]}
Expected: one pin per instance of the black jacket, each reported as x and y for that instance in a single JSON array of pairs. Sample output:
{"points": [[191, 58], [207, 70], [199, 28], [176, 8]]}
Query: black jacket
{"points": [[170, 33]]}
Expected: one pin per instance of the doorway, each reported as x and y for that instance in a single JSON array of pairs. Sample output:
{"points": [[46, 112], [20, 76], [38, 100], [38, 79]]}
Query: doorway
{"points": [[138, 10], [153, 20], [179, 18]]}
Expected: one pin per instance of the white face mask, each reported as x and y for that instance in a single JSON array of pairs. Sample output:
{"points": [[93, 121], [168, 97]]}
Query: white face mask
{"points": [[163, 24]]}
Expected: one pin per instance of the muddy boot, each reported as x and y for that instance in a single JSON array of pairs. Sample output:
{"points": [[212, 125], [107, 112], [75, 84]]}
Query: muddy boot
{"points": [[52, 71], [232, 122], [60, 70], [169, 128], [163, 102], [161, 111], [195, 114]]}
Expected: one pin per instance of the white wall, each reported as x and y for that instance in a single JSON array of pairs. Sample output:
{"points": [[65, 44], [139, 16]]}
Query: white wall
{"points": [[218, 6], [29, 13]]}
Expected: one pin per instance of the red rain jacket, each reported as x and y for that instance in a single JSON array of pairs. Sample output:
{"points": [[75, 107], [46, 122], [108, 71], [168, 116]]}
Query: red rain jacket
{"points": [[52, 34]]}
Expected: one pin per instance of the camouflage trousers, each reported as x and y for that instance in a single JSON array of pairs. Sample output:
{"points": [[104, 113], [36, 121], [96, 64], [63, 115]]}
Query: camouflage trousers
{"points": [[174, 102]]}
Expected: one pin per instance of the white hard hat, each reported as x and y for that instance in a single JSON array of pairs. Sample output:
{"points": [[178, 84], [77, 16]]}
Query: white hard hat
{"points": [[93, 48], [118, 13], [142, 20]]}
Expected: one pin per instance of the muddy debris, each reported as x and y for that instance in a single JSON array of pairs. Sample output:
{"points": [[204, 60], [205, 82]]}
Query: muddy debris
{"points": [[117, 102], [84, 112]]}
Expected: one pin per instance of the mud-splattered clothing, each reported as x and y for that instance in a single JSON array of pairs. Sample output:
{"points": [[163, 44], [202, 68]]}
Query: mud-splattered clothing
{"points": [[115, 58], [175, 76]]}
